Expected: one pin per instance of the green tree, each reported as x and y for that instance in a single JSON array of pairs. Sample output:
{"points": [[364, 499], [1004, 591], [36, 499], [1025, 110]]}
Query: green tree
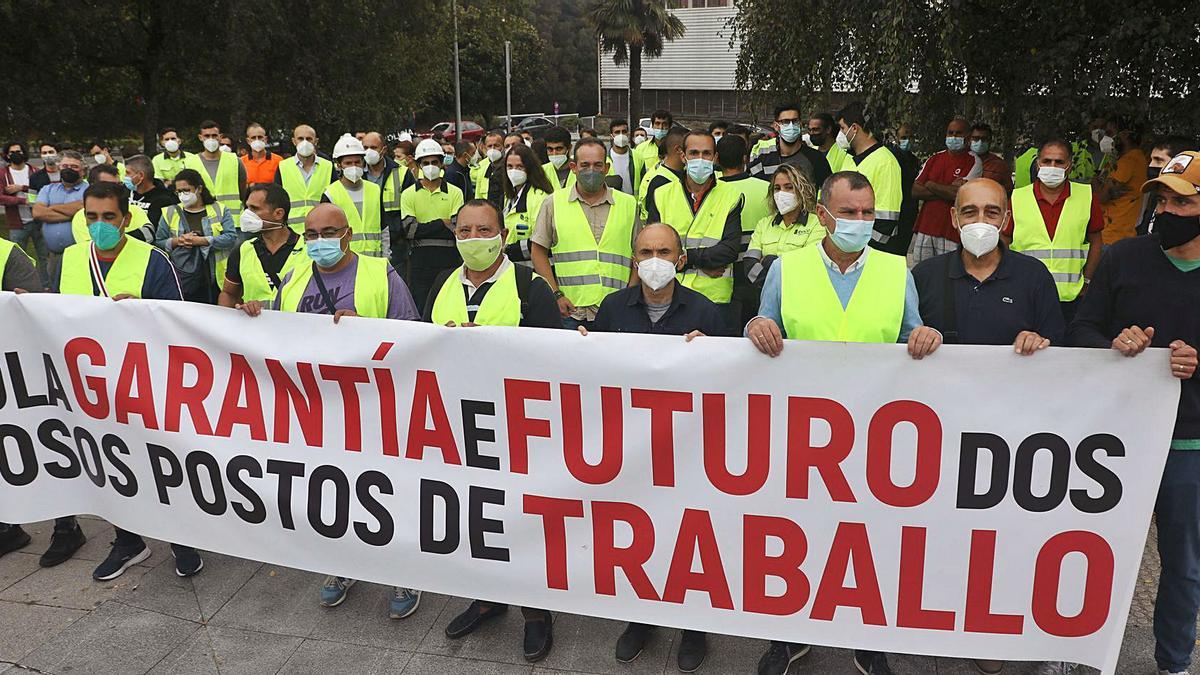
{"points": [[631, 29]]}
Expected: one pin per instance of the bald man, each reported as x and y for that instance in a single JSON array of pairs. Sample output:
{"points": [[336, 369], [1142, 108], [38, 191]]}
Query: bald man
{"points": [[383, 171], [984, 293], [305, 176]]}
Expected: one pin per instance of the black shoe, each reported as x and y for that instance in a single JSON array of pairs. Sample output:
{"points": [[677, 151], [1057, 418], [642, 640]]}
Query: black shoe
{"points": [[119, 559], [12, 539], [780, 657], [632, 641], [63, 545], [539, 638], [692, 650], [187, 560], [872, 663], [473, 617]]}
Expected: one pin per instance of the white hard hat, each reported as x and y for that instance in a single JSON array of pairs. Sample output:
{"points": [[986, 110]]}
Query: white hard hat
{"points": [[404, 136], [348, 145], [427, 148]]}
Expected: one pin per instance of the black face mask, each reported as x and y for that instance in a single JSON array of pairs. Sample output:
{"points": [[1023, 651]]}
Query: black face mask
{"points": [[16, 157], [1152, 172], [69, 176], [816, 139], [1173, 230]]}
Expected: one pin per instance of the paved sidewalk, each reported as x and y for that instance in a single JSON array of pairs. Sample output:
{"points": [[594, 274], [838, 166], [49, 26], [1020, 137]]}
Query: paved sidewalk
{"points": [[239, 616]]}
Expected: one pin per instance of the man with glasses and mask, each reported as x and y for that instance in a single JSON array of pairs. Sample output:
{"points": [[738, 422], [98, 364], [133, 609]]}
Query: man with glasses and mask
{"points": [[56, 205], [788, 147], [589, 228]]}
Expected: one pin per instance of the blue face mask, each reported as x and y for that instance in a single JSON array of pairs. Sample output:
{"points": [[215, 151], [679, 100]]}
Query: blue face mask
{"points": [[105, 235], [700, 170], [851, 236], [980, 147], [129, 184], [658, 134], [325, 252], [447, 160], [954, 143], [790, 132], [905, 144]]}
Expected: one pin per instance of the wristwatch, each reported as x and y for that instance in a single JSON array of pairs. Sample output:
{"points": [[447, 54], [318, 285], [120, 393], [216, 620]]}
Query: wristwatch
{"points": [[559, 294]]}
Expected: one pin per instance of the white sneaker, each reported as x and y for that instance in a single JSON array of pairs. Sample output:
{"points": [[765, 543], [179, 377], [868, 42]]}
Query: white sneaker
{"points": [[1055, 668]]}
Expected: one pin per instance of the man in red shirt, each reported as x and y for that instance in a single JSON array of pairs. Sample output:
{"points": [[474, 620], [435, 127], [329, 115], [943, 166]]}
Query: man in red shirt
{"points": [[937, 185], [1051, 191], [260, 163]]}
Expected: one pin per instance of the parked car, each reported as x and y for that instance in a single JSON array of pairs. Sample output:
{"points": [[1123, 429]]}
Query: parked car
{"points": [[471, 131], [537, 126]]}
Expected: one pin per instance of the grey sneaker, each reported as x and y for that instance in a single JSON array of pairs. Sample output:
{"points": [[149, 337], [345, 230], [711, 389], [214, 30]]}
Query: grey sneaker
{"points": [[1055, 668]]}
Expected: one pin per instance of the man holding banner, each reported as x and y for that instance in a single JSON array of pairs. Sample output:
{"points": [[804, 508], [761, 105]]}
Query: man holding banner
{"points": [[489, 290], [1145, 294], [842, 291]]}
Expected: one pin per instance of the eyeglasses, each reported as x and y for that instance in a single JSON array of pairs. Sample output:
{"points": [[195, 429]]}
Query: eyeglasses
{"points": [[327, 233]]}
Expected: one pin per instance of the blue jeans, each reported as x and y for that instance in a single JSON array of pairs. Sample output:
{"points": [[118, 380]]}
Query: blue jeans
{"points": [[33, 230], [1177, 513]]}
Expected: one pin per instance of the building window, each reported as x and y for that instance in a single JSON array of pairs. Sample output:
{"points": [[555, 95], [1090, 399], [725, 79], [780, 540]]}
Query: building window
{"points": [[696, 4]]}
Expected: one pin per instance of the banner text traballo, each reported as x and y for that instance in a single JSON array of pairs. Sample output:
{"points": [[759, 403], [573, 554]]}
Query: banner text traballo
{"points": [[841, 494]]}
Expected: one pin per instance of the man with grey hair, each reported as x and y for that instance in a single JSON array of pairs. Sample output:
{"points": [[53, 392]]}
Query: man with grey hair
{"points": [[146, 191]]}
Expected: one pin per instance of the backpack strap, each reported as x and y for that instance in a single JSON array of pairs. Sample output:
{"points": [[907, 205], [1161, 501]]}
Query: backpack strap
{"points": [[524, 281]]}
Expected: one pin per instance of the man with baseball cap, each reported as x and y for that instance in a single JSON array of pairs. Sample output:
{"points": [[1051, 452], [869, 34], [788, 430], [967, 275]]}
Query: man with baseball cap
{"points": [[1145, 294]]}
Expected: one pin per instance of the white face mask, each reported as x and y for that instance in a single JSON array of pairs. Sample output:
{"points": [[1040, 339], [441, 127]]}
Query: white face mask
{"points": [[258, 146], [842, 141], [305, 148], [1052, 176], [638, 140], [99, 158], [494, 154], [353, 173], [431, 171], [226, 148], [188, 199], [1097, 134], [786, 201], [621, 140], [517, 177], [372, 156], [558, 160], [251, 222], [171, 145], [656, 273], [1107, 144], [212, 144], [979, 239], [528, 143]]}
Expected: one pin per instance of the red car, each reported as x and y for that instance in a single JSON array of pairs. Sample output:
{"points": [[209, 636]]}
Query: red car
{"points": [[471, 132]]}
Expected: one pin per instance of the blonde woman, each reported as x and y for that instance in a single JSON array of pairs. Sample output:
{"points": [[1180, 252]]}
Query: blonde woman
{"points": [[791, 224]]}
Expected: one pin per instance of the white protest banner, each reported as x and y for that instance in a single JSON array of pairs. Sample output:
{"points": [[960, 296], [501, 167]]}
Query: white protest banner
{"points": [[973, 504]]}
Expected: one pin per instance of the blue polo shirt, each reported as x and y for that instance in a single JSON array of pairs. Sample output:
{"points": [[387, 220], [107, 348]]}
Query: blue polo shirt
{"points": [[58, 235], [1019, 295]]}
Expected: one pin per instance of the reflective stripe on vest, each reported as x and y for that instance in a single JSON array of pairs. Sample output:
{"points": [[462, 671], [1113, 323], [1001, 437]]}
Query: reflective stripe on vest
{"points": [[225, 188], [79, 228], [587, 271], [392, 189], [1065, 255], [812, 310], [479, 178], [520, 223], [256, 285], [883, 171], [370, 288], [368, 233], [501, 305], [702, 229], [126, 276], [304, 195], [173, 215]]}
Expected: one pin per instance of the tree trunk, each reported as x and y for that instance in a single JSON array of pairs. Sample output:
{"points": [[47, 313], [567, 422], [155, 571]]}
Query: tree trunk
{"points": [[147, 72], [635, 84]]}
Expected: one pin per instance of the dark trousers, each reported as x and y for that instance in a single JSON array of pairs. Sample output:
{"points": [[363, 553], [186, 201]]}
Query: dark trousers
{"points": [[530, 613], [64, 524], [1069, 309], [861, 654], [1177, 513], [125, 538]]}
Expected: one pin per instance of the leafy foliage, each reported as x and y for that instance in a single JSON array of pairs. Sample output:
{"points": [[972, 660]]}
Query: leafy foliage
{"points": [[630, 29]]}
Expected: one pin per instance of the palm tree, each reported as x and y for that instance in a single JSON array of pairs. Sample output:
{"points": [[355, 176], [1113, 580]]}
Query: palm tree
{"points": [[629, 29]]}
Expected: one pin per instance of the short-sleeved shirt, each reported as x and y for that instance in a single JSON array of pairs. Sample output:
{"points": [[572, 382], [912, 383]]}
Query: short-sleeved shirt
{"points": [[340, 285], [260, 170], [944, 168], [1051, 212], [1121, 214], [58, 235], [1019, 295], [272, 263], [427, 206]]}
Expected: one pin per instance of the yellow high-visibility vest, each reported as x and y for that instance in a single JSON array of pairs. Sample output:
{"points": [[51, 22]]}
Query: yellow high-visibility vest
{"points": [[126, 276], [588, 271], [305, 195], [1066, 254], [812, 310], [370, 287], [501, 305]]}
